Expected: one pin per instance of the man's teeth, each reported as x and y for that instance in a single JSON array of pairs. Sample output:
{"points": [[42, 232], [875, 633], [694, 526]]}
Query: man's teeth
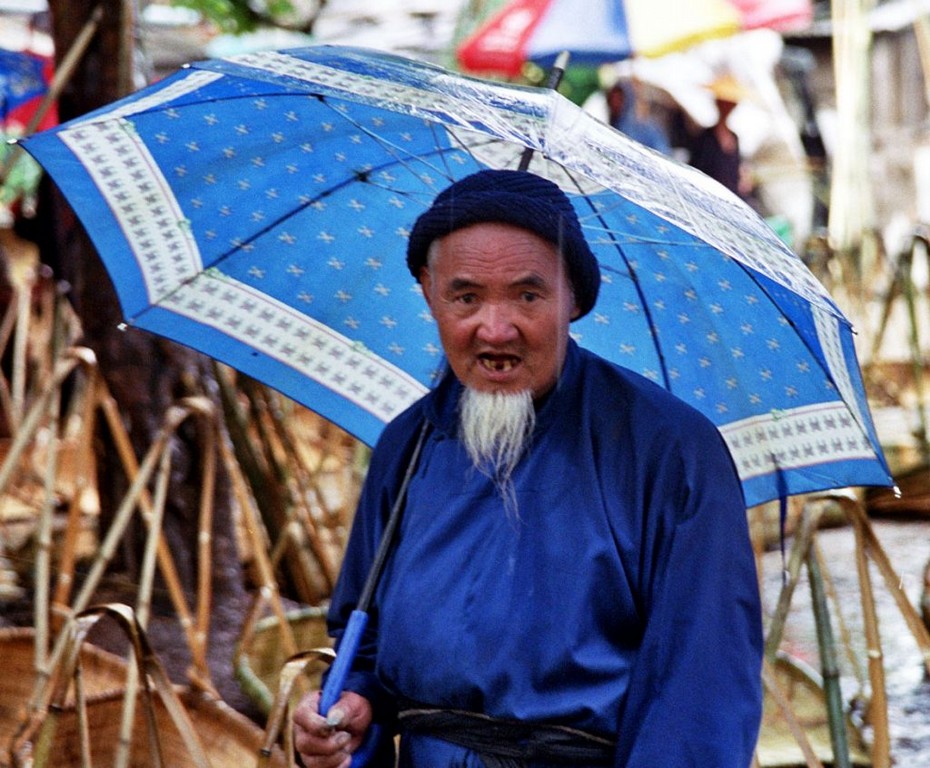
{"points": [[497, 365]]}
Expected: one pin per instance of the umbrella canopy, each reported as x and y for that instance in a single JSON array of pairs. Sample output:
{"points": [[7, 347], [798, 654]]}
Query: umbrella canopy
{"points": [[23, 77], [258, 208], [611, 30]]}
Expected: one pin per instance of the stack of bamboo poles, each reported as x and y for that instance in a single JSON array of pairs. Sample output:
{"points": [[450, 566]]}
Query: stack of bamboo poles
{"points": [[845, 746], [70, 708]]}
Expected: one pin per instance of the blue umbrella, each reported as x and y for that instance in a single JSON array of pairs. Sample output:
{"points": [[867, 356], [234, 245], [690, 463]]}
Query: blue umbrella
{"points": [[257, 208]]}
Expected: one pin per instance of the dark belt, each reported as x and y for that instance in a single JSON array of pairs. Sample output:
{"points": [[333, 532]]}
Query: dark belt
{"points": [[509, 743]]}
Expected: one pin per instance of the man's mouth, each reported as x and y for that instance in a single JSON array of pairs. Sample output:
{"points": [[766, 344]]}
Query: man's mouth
{"points": [[498, 363]]}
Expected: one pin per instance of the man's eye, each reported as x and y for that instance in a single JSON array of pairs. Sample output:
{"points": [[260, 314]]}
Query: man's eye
{"points": [[466, 298], [530, 296]]}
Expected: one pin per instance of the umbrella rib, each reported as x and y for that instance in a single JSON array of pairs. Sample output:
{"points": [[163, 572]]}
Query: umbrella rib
{"points": [[360, 176], [633, 276]]}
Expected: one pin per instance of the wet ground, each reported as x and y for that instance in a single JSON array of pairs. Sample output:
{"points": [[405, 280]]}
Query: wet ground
{"points": [[907, 544]]}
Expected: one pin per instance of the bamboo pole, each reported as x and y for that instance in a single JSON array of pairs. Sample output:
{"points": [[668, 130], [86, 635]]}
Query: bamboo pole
{"points": [[304, 486], [810, 519], [20, 347], [855, 512], [894, 585], [143, 607], [38, 410], [131, 466], [82, 480], [845, 635], [839, 739], [878, 702], [173, 418], [268, 592], [207, 418], [6, 331], [43, 564]]}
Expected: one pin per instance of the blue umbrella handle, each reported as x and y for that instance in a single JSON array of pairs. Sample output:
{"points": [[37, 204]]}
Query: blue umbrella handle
{"points": [[358, 619], [335, 681]]}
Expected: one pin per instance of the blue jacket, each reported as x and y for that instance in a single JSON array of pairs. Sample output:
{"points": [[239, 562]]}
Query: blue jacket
{"points": [[621, 598]]}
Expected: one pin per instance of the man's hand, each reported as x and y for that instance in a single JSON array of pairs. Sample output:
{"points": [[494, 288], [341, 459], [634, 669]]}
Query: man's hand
{"points": [[328, 742]]}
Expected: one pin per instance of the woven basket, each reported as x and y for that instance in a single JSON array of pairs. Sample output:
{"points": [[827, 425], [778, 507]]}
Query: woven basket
{"points": [[261, 654], [229, 739], [777, 747], [103, 673]]}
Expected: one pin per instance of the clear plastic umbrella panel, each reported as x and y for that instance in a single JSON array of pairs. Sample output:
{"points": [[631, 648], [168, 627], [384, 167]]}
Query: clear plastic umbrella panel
{"points": [[257, 208]]}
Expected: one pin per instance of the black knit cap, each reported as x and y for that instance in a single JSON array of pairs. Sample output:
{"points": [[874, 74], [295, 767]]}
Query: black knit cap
{"points": [[511, 197]]}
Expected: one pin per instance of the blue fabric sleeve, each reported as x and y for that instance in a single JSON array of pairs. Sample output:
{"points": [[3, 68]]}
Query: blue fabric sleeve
{"points": [[695, 694]]}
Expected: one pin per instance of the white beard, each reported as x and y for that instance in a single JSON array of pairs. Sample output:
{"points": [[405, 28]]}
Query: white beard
{"points": [[496, 428]]}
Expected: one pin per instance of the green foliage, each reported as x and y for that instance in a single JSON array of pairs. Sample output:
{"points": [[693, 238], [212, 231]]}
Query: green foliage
{"points": [[237, 16]]}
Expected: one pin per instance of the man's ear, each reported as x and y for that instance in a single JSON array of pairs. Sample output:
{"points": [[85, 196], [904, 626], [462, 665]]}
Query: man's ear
{"points": [[426, 283], [576, 312]]}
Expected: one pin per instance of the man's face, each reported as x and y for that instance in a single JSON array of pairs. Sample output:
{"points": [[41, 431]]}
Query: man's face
{"points": [[503, 302]]}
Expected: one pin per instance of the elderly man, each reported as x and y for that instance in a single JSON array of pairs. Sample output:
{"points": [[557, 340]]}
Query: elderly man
{"points": [[573, 582]]}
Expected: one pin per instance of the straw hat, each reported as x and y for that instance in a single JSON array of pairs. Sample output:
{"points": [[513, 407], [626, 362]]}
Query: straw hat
{"points": [[727, 88]]}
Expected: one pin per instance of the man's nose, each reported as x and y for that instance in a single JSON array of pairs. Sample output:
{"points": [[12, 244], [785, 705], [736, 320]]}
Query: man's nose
{"points": [[496, 323]]}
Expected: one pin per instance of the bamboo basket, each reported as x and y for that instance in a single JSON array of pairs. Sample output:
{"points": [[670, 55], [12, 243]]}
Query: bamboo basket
{"points": [[261, 654], [229, 739], [777, 747], [103, 674]]}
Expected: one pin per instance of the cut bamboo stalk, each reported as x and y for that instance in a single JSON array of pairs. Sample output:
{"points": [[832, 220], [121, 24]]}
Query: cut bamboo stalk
{"points": [[6, 331], [43, 564], [810, 519], [878, 701], [205, 545], [83, 468], [855, 511], [143, 607], [846, 640], [268, 592], [839, 739], [20, 348], [38, 411], [131, 467]]}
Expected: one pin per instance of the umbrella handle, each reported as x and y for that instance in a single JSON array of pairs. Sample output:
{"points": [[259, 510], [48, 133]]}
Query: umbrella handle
{"points": [[358, 619], [335, 680]]}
